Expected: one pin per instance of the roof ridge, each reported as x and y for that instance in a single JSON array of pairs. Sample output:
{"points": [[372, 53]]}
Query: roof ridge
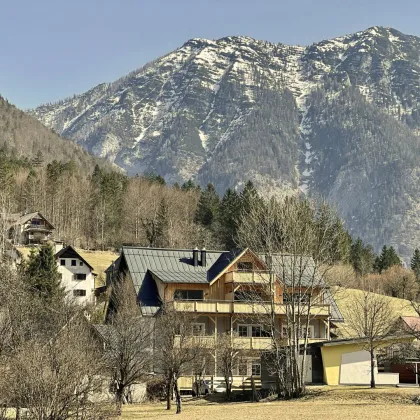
{"points": [[172, 249]]}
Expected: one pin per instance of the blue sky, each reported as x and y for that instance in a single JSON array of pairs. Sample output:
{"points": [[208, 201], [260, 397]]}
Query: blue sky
{"points": [[51, 49]]}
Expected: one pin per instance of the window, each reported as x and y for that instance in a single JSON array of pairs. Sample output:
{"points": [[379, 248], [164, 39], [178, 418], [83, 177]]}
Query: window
{"points": [[302, 297], [256, 331], [243, 369], [243, 330], [36, 222], [256, 368], [80, 276], [79, 293], [311, 332], [81, 263], [198, 329], [244, 266], [188, 295], [250, 330], [73, 263], [62, 262]]}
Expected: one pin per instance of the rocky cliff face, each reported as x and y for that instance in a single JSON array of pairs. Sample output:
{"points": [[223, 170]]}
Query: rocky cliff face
{"points": [[337, 119]]}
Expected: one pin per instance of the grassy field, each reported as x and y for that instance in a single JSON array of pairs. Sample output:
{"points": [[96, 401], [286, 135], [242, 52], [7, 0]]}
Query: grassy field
{"points": [[345, 297], [322, 403]]}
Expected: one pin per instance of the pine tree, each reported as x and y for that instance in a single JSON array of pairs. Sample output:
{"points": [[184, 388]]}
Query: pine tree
{"points": [[189, 186], [362, 257], [228, 217], [41, 274], [208, 207], [38, 160], [415, 263], [387, 259], [162, 225], [248, 194]]}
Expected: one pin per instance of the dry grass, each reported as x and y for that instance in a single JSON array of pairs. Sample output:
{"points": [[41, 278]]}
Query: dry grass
{"points": [[344, 298], [322, 403], [99, 260]]}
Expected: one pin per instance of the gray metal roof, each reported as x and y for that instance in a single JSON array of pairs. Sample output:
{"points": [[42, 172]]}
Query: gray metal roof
{"points": [[180, 276], [174, 265]]}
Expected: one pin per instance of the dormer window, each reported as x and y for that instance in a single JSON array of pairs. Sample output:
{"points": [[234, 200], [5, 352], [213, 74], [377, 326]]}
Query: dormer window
{"points": [[244, 266]]}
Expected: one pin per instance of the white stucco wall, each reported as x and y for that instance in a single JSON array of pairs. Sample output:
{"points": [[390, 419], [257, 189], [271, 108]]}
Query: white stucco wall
{"points": [[70, 284], [355, 370]]}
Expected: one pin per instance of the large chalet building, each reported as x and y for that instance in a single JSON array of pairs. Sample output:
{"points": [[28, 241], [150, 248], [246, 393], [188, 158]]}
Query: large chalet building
{"points": [[214, 286]]}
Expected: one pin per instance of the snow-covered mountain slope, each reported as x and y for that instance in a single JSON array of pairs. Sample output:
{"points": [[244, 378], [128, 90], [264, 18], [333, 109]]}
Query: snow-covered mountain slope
{"points": [[315, 119]]}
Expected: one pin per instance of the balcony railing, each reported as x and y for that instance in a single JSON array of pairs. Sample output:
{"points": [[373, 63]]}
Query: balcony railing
{"points": [[248, 277], [228, 307], [240, 343], [39, 228]]}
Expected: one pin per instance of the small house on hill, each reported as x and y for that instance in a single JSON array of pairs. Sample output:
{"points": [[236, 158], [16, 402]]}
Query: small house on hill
{"points": [[77, 275], [29, 229]]}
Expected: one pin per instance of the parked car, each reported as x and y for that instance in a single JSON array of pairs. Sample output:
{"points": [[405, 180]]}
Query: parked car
{"points": [[205, 387]]}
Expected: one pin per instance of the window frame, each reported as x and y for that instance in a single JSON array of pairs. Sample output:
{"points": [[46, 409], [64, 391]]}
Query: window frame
{"points": [[250, 328], [73, 263], [62, 262], [311, 331], [188, 291], [79, 292], [80, 274], [202, 326], [255, 362], [249, 264]]}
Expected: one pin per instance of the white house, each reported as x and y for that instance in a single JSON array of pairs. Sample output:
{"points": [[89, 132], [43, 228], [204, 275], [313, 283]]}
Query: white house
{"points": [[76, 275]]}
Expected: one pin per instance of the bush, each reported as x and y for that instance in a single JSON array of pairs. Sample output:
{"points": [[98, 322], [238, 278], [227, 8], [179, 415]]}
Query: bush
{"points": [[155, 389]]}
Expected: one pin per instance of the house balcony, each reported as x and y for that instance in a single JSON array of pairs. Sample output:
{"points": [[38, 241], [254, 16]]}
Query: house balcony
{"points": [[248, 277], [38, 228], [239, 343], [238, 307]]}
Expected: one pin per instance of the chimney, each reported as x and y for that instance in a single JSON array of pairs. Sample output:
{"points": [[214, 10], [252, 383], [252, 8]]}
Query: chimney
{"points": [[203, 257], [195, 257]]}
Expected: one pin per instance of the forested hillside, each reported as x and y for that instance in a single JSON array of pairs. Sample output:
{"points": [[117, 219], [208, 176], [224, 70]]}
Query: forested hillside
{"points": [[24, 138], [337, 119]]}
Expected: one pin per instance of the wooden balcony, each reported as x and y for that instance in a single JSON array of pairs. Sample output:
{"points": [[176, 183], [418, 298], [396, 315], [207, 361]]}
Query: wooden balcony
{"points": [[248, 277], [238, 307], [241, 343]]}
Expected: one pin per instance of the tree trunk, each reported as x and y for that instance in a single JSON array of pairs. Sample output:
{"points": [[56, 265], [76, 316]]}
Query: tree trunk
{"points": [[169, 392], [119, 396], [372, 369], [177, 397], [227, 382]]}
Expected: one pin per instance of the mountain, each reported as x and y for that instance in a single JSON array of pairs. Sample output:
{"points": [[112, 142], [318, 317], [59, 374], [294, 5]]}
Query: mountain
{"points": [[338, 119], [22, 136]]}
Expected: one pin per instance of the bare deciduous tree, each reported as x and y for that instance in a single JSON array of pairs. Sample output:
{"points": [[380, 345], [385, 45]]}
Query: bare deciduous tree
{"points": [[129, 342], [371, 317], [299, 241], [229, 355], [176, 349], [57, 379]]}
